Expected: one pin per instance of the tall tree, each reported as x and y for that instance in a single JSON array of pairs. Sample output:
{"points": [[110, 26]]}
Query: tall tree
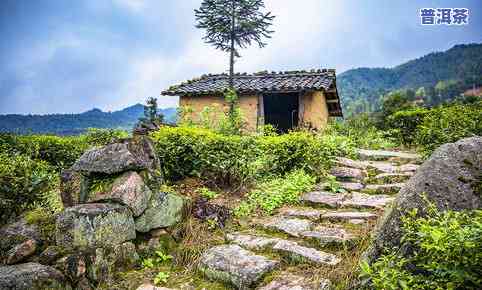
{"points": [[234, 23]]}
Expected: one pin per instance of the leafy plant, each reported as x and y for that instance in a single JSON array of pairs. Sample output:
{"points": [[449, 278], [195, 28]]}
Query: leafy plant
{"points": [[276, 192], [446, 253], [161, 278], [157, 260], [206, 193], [448, 124], [405, 123], [333, 185]]}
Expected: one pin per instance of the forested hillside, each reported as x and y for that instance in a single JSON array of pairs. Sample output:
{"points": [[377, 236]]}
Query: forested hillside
{"points": [[72, 124], [443, 75]]}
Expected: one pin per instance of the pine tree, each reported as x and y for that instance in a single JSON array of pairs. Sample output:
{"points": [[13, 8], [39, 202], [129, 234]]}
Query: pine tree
{"points": [[234, 23]]}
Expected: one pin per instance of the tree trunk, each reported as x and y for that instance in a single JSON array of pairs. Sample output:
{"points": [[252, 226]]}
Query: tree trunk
{"points": [[231, 60]]}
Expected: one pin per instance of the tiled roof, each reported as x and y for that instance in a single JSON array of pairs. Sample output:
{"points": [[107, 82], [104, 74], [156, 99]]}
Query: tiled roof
{"points": [[292, 81]]}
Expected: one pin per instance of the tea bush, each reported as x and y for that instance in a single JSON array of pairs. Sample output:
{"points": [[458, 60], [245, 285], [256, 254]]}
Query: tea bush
{"points": [[26, 183], [446, 254], [233, 159], [448, 124], [362, 132], [405, 124]]}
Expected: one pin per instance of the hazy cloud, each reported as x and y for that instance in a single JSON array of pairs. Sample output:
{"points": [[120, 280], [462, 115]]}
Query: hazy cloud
{"points": [[70, 56]]}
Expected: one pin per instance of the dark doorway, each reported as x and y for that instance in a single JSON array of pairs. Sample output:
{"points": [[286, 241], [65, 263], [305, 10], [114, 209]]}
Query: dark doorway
{"points": [[281, 110]]}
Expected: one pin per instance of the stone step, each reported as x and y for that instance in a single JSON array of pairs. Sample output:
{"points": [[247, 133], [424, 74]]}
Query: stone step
{"points": [[393, 177], [408, 168], [323, 198], [290, 226], [347, 173], [377, 155], [289, 281], [348, 215], [346, 162], [382, 166], [235, 265], [361, 200], [285, 247], [329, 235], [307, 213], [383, 188], [345, 185]]}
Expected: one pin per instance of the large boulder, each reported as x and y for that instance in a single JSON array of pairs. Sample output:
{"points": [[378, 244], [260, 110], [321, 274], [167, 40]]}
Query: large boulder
{"points": [[164, 210], [18, 241], [451, 179], [131, 154], [32, 276], [94, 225], [128, 189], [71, 187]]}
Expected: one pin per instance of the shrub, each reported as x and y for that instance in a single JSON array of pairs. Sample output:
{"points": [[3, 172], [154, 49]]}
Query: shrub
{"points": [[362, 132], [446, 253], [405, 124], [276, 192], [100, 137], [187, 151], [448, 124], [27, 183]]}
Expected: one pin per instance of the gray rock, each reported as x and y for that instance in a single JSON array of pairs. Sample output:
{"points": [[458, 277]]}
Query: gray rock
{"points": [[385, 155], [325, 235], [289, 281], [107, 261], [309, 213], [235, 265], [291, 226], [291, 249], [357, 221], [383, 167], [408, 167], [163, 210], [448, 179], [323, 198], [71, 188], [361, 200], [343, 173], [383, 188], [348, 215], [342, 161], [13, 236], [73, 266], [128, 189], [352, 186], [133, 154], [148, 286], [94, 225], [251, 242], [304, 254], [21, 251], [32, 276], [393, 177]]}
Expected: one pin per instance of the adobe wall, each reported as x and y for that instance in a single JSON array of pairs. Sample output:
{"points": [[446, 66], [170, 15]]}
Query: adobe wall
{"points": [[313, 110]]}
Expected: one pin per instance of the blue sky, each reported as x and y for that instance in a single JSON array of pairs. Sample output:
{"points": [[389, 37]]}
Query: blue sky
{"points": [[59, 56]]}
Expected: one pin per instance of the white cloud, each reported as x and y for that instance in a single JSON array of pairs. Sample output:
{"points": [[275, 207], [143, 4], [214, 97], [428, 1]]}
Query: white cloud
{"points": [[133, 5]]}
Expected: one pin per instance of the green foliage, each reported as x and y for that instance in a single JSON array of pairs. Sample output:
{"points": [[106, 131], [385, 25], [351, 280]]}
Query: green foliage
{"points": [[236, 160], [207, 193], [157, 260], [233, 122], [161, 278], [446, 254], [361, 132], [405, 124], [100, 137], [27, 183], [448, 124], [276, 192], [333, 185]]}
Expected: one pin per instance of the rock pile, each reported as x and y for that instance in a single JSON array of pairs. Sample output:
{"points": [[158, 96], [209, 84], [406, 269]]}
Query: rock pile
{"points": [[110, 194]]}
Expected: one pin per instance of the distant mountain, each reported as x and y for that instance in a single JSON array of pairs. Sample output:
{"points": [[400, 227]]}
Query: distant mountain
{"points": [[459, 67], [72, 124]]}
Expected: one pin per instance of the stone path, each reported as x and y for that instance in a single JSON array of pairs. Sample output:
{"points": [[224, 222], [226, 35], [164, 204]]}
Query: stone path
{"points": [[314, 231]]}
